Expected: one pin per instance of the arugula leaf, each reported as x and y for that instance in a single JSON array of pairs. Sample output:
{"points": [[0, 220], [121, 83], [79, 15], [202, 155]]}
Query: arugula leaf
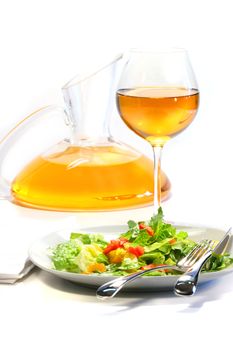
{"points": [[165, 231], [142, 238], [169, 261], [156, 220], [131, 224], [218, 262], [165, 248], [154, 257], [101, 258], [182, 235], [123, 269], [133, 231], [162, 246]]}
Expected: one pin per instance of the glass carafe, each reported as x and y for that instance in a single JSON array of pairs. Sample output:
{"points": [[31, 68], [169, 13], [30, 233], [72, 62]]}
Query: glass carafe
{"points": [[88, 169]]}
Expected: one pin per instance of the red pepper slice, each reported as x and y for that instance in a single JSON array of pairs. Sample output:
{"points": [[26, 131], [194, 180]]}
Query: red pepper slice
{"points": [[149, 266], [172, 241], [114, 244], [141, 225], [149, 230], [138, 250]]}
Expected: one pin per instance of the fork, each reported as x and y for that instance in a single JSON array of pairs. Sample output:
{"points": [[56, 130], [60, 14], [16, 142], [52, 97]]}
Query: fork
{"points": [[187, 283], [111, 288]]}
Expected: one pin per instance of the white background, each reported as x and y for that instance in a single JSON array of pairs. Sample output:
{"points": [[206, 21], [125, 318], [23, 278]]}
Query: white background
{"points": [[45, 43]]}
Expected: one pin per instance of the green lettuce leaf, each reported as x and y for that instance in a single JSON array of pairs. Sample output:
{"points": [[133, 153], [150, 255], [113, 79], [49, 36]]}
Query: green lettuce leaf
{"points": [[63, 256]]}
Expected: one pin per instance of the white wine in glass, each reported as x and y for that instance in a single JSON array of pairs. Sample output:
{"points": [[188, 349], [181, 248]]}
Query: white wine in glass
{"points": [[157, 98]]}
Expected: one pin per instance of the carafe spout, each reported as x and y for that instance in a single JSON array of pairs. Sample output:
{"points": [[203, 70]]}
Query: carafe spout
{"points": [[89, 101]]}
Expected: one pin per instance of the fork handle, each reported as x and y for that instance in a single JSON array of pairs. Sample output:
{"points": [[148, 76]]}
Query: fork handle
{"points": [[111, 288], [187, 283]]}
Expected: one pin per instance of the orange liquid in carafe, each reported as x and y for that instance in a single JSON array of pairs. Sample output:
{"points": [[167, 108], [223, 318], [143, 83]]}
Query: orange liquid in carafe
{"points": [[90, 178]]}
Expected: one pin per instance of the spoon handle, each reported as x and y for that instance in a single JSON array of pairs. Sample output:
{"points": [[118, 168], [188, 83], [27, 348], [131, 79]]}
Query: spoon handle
{"points": [[111, 288]]}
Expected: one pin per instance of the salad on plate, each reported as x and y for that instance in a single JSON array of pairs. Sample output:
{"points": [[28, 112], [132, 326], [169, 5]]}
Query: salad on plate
{"points": [[142, 246]]}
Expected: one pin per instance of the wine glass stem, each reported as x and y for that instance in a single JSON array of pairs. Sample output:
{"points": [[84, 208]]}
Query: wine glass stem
{"points": [[157, 151]]}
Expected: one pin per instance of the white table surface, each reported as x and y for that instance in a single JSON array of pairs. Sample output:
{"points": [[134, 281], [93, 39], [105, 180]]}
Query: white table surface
{"points": [[46, 312]]}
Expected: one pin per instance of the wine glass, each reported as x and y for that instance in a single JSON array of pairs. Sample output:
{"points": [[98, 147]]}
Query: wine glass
{"points": [[157, 98]]}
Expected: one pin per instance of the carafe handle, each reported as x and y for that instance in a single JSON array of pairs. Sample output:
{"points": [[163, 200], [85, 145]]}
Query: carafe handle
{"points": [[14, 135]]}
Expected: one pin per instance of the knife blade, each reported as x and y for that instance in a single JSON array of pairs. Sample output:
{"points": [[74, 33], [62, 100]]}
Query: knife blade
{"points": [[221, 247]]}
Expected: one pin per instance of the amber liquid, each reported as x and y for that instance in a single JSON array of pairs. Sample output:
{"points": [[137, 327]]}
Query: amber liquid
{"points": [[157, 114], [90, 178]]}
